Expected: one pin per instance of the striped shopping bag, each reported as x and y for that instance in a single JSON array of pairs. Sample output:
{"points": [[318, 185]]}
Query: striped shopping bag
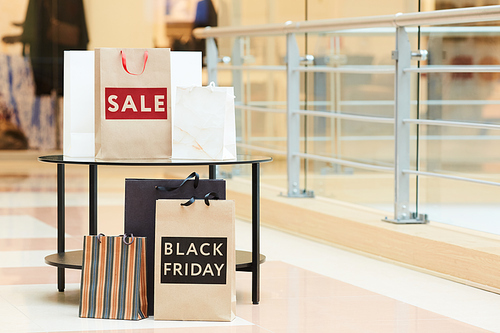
{"points": [[113, 283]]}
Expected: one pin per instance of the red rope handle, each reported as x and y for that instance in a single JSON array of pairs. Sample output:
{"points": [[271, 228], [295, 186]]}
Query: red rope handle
{"points": [[124, 62]]}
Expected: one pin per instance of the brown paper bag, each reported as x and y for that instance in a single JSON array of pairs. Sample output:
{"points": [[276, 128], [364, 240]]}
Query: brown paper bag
{"points": [[195, 261], [133, 104]]}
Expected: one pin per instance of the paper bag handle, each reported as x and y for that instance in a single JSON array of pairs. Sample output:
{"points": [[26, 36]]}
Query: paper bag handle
{"points": [[99, 237], [124, 62], [194, 175], [124, 238], [210, 195], [189, 202]]}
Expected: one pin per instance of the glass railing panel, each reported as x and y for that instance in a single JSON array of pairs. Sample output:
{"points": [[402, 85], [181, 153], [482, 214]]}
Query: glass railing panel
{"points": [[331, 146], [366, 89], [260, 83], [349, 184], [467, 205], [467, 151]]}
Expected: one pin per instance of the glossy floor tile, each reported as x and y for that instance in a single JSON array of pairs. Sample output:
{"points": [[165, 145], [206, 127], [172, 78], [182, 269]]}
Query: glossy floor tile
{"points": [[292, 300], [306, 286], [24, 226]]}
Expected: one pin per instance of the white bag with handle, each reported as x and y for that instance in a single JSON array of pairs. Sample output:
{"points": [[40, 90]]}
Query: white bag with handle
{"points": [[204, 123]]}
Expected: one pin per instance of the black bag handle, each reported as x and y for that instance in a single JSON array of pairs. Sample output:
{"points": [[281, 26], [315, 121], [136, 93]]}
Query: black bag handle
{"points": [[189, 202], [194, 175], [207, 197], [211, 195]]}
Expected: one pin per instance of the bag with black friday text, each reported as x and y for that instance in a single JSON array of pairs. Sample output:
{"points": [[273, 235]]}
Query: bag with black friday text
{"points": [[140, 209], [195, 260], [113, 283], [132, 103]]}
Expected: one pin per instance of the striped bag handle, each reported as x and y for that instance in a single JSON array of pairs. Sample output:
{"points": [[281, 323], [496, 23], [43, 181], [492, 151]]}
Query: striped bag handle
{"points": [[124, 237]]}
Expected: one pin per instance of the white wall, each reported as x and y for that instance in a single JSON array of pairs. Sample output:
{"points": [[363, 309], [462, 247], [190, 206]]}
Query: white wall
{"points": [[11, 11], [120, 23]]}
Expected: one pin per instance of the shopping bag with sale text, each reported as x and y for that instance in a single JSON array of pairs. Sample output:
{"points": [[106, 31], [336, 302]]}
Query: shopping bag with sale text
{"points": [[133, 103]]}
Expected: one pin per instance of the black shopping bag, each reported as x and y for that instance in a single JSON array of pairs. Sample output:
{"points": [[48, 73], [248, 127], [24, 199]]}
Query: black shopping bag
{"points": [[140, 210]]}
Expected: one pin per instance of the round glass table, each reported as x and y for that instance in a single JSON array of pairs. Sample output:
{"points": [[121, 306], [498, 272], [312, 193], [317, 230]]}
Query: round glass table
{"points": [[246, 261]]}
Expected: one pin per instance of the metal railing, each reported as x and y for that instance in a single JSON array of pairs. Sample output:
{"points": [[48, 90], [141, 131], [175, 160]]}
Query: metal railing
{"points": [[399, 25]]}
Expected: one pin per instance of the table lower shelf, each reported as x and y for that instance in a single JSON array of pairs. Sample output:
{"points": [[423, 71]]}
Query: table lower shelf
{"points": [[73, 260]]}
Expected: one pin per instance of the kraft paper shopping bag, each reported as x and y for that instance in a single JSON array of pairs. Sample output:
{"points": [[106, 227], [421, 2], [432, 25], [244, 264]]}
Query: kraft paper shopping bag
{"points": [[204, 123], [78, 120], [133, 103], [195, 260], [113, 283], [79, 101], [140, 209]]}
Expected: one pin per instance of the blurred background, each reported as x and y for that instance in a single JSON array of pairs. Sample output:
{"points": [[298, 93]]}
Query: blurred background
{"points": [[36, 32]]}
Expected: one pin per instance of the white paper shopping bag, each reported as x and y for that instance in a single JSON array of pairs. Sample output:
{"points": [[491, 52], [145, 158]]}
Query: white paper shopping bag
{"points": [[78, 120], [186, 71], [204, 123]]}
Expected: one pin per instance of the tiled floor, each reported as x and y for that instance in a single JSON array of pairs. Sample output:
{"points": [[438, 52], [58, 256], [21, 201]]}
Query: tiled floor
{"points": [[305, 286]]}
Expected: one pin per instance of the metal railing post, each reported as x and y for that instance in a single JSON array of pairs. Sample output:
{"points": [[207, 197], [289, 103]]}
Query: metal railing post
{"points": [[212, 59], [239, 93], [237, 60], [402, 109], [293, 119]]}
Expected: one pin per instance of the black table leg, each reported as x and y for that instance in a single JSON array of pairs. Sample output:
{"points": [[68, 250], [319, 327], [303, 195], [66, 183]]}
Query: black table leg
{"points": [[255, 228], [255, 233], [212, 172], [61, 224], [92, 199]]}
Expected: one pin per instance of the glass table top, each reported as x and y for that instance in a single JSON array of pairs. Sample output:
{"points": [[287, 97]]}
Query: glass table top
{"points": [[241, 159]]}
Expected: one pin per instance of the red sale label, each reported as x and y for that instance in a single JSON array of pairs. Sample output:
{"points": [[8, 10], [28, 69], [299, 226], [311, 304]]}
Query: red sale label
{"points": [[136, 103]]}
